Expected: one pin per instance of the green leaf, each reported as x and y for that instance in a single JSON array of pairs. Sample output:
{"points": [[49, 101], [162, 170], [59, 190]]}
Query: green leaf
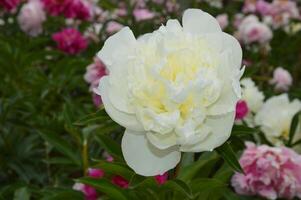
{"points": [[180, 186], [67, 194], [22, 194], [227, 153], [229, 195], [104, 186], [240, 131], [206, 185], [61, 145], [294, 125], [188, 172], [224, 173], [115, 168], [111, 146]]}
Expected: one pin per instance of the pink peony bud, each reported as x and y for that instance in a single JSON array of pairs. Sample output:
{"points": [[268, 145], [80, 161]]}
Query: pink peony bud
{"points": [[263, 7], [161, 179], [70, 41], [31, 17], [241, 110], [96, 173], [89, 192], [282, 79], [120, 181], [270, 172]]}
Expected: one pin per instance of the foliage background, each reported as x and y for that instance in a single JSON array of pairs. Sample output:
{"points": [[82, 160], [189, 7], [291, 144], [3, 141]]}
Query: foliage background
{"points": [[50, 131]]}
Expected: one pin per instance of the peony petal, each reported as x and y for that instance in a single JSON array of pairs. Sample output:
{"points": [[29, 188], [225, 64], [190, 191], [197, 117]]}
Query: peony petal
{"points": [[124, 119], [221, 127], [196, 21], [118, 46], [235, 52], [173, 25], [162, 141], [144, 158]]}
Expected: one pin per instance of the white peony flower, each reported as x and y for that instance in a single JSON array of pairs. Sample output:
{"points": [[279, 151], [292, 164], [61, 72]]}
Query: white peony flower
{"points": [[275, 116], [251, 94], [173, 90]]}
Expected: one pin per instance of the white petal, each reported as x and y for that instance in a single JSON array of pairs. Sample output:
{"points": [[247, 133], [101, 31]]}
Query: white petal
{"points": [[124, 119], [162, 141], [173, 25], [226, 102], [221, 127], [235, 52], [196, 21], [117, 47], [144, 158]]}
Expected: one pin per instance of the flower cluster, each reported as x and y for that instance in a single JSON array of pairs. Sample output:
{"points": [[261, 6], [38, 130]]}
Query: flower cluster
{"points": [[270, 172], [78, 9], [70, 40]]}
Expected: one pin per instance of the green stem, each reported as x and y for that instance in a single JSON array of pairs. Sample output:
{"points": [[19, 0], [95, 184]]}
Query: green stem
{"points": [[85, 156]]}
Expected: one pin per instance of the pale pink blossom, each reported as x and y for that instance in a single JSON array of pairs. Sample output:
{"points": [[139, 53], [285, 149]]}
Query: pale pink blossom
{"points": [[270, 172], [249, 6], [9, 5], [94, 72], [223, 20], [113, 27], [263, 7], [252, 30], [70, 41], [143, 14], [31, 17], [238, 19], [282, 79], [242, 110]]}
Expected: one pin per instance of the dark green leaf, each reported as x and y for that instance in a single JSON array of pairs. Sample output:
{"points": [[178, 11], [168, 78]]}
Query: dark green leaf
{"points": [[22, 194], [61, 145], [294, 125], [111, 146], [180, 186], [226, 152], [188, 172], [115, 168]]}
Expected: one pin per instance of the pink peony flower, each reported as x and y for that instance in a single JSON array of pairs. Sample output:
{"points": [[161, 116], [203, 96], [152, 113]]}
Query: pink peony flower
{"points": [[113, 27], [31, 17], [143, 14], [242, 110], [120, 181], [78, 9], [89, 192], [251, 30], [282, 79], [263, 7], [223, 20], [56, 7], [161, 179], [95, 173], [9, 5], [70, 41], [94, 72], [270, 172], [249, 6]]}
